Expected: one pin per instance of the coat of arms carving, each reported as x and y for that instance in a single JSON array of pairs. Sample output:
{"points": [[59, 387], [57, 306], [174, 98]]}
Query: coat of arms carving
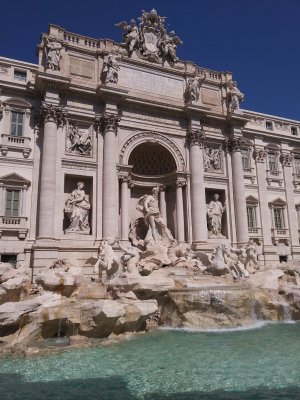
{"points": [[150, 40]]}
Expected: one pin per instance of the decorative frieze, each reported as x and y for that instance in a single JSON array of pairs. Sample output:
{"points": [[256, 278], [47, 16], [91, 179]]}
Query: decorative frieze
{"points": [[260, 155], [50, 112], [195, 137]]}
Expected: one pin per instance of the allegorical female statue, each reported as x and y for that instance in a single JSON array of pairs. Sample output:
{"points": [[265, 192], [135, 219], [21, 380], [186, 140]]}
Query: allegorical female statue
{"points": [[77, 209], [215, 210]]}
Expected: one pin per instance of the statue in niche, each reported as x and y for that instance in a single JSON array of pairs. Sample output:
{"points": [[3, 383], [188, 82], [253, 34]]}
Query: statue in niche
{"points": [[77, 209], [78, 142], [157, 228], [192, 91], [235, 96], [52, 50], [108, 264], [110, 69], [212, 160], [215, 210]]}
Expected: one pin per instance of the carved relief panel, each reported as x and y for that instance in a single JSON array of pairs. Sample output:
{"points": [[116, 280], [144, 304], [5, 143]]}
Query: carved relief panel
{"points": [[79, 140], [213, 160]]}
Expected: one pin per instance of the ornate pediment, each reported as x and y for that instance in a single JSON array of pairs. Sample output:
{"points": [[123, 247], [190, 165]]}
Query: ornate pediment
{"points": [[149, 38], [14, 179]]}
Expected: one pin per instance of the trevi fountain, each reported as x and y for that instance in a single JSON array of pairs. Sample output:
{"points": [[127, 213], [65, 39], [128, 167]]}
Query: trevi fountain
{"points": [[156, 316]]}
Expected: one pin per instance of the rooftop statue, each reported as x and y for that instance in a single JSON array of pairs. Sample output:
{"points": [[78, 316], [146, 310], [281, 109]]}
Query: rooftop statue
{"points": [[52, 50], [235, 96], [150, 40]]}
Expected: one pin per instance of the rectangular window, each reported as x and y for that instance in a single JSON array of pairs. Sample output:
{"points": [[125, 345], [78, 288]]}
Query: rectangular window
{"points": [[269, 125], [251, 217], [20, 75], [278, 218], [17, 119], [12, 204], [297, 165], [272, 161], [246, 158], [294, 131]]}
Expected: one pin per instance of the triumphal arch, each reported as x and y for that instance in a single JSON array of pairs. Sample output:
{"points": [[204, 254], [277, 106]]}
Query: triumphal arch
{"points": [[95, 125]]}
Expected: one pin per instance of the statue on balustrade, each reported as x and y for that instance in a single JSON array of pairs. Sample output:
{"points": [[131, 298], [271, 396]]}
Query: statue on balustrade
{"points": [[192, 91], [235, 96], [77, 208], [215, 210], [52, 50]]}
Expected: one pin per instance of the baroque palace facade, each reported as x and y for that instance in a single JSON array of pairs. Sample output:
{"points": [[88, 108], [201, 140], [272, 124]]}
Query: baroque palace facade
{"points": [[96, 124]]}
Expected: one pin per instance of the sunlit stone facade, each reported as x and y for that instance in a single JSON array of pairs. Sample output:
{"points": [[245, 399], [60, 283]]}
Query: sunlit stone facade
{"points": [[122, 119]]}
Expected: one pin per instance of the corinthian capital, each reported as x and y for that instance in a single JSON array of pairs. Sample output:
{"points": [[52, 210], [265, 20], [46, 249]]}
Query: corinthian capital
{"points": [[287, 159], [235, 144], [260, 155], [195, 137], [106, 122], [50, 112]]}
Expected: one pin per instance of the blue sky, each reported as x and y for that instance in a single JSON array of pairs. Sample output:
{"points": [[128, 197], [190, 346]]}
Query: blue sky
{"points": [[258, 40]]}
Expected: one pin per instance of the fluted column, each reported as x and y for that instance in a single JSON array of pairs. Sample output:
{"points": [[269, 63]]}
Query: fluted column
{"points": [[287, 162], [235, 145], [266, 223], [162, 202], [109, 127], [52, 116], [125, 179], [179, 209], [199, 225]]}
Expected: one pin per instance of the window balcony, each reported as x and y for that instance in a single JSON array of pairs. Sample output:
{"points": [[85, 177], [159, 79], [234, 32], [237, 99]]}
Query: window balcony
{"points": [[14, 225], [281, 234], [274, 176], [19, 143]]}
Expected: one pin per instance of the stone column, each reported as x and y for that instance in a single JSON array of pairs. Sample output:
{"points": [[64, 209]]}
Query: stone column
{"points": [[235, 145], [266, 223], [287, 162], [125, 179], [109, 126], [162, 202], [179, 209], [195, 140], [52, 116]]}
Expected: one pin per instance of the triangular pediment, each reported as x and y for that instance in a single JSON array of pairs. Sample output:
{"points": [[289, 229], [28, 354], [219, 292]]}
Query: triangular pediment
{"points": [[251, 200], [14, 179], [278, 202]]}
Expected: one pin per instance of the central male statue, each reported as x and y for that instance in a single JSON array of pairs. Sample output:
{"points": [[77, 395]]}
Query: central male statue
{"points": [[157, 228]]}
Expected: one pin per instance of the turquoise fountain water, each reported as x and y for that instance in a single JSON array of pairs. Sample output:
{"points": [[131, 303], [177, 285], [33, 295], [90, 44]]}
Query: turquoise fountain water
{"points": [[252, 364]]}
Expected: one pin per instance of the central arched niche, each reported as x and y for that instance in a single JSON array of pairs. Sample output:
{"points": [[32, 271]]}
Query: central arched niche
{"points": [[153, 164], [151, 159]]}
